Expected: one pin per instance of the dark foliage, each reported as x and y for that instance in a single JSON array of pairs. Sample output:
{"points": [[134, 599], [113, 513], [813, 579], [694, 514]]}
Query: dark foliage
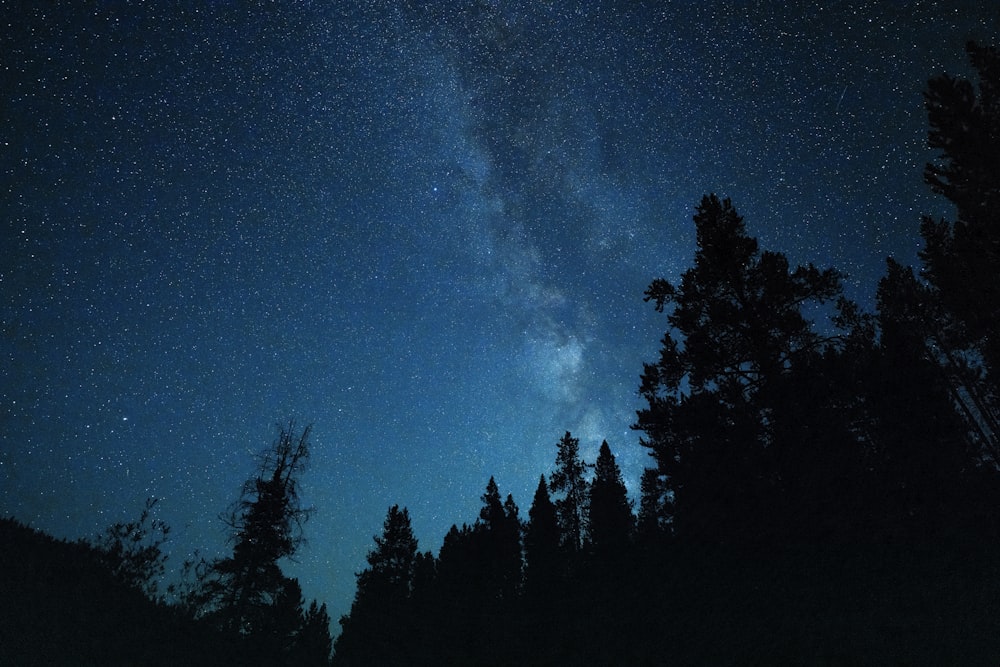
{"points": [[721, 408], [611, 519], [133, 551], [569, 481], [61, 603], [541, 543], [653, 521], [962, 258], [378, 629], [247, 594]]}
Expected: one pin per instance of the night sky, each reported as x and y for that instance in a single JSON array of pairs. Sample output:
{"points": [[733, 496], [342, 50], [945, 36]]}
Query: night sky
{"points": [[425, 231]]}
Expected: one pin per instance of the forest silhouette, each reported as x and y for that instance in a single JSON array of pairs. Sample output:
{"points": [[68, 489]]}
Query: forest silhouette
{"points": [[820, 492]]}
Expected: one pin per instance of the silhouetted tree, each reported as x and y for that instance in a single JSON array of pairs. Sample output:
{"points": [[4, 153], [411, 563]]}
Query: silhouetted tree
{"points": [[287, 619], [313, 644], [653, 522], [569, 480], [610, 511], [921, 445], [459, 597], [378, 629], [391, 562], [491, 514], [511, 549], [813, 464], [541, 541], [246, 593], [133, 551], [962, 258], [424, 573], [423, 592], [736, 327], [498, 534]]}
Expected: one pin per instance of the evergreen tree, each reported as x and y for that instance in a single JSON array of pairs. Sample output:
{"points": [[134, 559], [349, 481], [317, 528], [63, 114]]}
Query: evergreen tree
{"points": [[424, 575], [463, 622], [498, 532], [611, 519], [736, 329], [570, 481], [653, 520], [391, 563], [244, 593], [541, 541], [458, 571], [962, 258], [313, 645], [282, 646], [922, 444], [511, 549], [491, 515], [379, 628], [456, 560]]}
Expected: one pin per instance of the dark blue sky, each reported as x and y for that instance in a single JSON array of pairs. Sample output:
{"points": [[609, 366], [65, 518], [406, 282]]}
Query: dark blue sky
{"points": [[424, 228]]}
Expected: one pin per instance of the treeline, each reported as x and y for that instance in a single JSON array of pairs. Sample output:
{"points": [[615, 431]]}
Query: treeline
{"points": [[822, 492]]}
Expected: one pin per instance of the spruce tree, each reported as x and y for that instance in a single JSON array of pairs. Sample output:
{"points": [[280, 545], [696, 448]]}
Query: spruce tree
{"points": [[379, 628], [611, 519], [569, 480], [498, 534], [541, 541]]}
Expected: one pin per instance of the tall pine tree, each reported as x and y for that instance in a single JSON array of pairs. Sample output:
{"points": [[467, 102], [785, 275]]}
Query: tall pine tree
{"points": [[379, 628], [736, 328], [541, 542], [610, 511], [499, 532], [962, 258], [569, 479]]}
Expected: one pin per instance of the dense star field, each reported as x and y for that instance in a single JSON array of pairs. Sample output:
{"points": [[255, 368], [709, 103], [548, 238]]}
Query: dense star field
{"points": [[424, 228]]}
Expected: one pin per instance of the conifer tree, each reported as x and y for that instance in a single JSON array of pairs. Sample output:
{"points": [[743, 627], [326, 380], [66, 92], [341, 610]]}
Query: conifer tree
{"points": [[611, 519], [736, 329], [491, 515], [652, 522], [498, 531], [915, 383], [962, 258], [511, 549], [541, 541], [379, 626], [246, 592], [569, 480], [313, 645]]}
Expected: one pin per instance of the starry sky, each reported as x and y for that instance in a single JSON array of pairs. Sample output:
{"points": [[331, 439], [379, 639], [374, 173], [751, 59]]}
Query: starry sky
{"points": [[423, 227]]}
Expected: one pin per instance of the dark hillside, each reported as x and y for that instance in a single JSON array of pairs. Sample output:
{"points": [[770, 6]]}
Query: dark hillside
{"points": [[60, 606]]}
